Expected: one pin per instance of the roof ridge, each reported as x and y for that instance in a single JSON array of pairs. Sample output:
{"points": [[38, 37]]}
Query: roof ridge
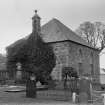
{"points": [[50, 34], [64, 26], [56, 21]]}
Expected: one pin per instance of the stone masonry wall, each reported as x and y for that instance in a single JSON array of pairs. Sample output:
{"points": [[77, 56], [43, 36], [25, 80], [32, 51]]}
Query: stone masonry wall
{"points": [[72, 54]]}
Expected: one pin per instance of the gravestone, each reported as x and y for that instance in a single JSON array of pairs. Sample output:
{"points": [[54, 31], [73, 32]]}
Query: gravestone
{"points": [[83, 97], [85, 93]]}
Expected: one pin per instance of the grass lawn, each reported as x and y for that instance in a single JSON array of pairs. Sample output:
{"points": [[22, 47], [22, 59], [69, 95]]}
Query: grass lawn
{"points": [[47, 97], [43, 97]]}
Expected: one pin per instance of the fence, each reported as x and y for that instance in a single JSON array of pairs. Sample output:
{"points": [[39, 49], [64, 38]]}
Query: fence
{"points": [[60, 93], [97, 99]]}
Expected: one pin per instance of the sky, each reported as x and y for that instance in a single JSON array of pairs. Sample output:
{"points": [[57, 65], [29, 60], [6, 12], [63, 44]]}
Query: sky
{"points": [[16, 16]]}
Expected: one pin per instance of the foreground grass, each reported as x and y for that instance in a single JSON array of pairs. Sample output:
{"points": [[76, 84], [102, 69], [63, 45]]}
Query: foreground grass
{"points": [[52, 97]]}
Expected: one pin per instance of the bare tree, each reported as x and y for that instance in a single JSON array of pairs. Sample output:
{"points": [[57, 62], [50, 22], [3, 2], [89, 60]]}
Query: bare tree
{"points": [[93, 33]]}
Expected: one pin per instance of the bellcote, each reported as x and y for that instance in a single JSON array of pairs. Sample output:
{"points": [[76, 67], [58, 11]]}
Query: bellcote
{"points": [[36, 23]]}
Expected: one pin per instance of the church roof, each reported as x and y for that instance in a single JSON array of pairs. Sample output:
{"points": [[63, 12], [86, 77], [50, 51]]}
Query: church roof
{"points": [[55, 31]]}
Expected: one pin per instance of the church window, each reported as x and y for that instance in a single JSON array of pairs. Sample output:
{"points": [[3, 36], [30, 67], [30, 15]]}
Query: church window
{"points": [[80, 56], [91, 64], [58, 60], [80, 62], [80, 68]]}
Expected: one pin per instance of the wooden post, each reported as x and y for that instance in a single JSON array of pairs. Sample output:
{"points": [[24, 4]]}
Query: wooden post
{"points": [[85, 93]]}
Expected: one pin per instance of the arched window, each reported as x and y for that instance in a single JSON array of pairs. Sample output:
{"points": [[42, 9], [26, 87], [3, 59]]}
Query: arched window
{"points": [[80, 56], [80, 65], [91, 58], [91, 64]]}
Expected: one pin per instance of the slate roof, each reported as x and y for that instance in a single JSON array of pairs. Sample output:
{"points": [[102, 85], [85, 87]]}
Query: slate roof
{"points": [[55, 31]]}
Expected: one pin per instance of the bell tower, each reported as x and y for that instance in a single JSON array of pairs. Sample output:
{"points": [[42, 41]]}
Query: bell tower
{"points": [[36, 23]]}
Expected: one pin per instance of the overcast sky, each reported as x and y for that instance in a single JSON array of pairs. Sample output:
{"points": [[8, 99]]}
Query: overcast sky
{"points": [[15, 16]]}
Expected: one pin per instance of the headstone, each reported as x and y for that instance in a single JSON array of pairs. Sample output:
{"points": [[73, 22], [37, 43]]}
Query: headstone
{"points": [[85, 92], [74, 97], [19, 72], [83, 97], [103, 99], [38, 84]]}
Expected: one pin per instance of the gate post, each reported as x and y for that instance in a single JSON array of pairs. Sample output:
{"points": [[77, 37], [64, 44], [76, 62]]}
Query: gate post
{"points": [[31, 87]]}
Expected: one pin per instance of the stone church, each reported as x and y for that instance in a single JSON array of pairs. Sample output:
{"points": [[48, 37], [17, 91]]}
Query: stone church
{"points": [[70, 49]]}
